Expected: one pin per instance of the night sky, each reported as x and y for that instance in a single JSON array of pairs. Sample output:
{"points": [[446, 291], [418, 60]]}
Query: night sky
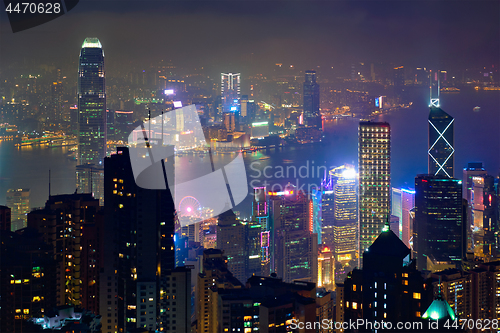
{"points": [[249, 35]]}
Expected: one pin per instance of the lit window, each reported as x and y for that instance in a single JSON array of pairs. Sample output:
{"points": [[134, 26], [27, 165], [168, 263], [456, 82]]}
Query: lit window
{"points": [[354, 305], [416, 295]]}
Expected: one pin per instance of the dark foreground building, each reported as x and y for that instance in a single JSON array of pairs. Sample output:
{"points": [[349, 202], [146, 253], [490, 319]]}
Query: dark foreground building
{"points": [[388, 288]]}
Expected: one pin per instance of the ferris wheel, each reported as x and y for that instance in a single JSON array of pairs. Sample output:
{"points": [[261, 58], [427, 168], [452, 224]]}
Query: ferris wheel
{"points": [[189, 206]]}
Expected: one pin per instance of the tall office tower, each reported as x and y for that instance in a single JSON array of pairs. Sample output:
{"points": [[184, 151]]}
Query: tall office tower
{"points": [[403, 200], [27, 281], [66, 216], [399, 80], [474, 169], [374, 162], [396, 206], [438, 227], [386, 288], [215, 274], [312, 117], [295, 244], [231, 239], [345, 227], [5, 218], [230, 92], [484, 216], [316, 202], [441, 153], [229, 121], [19, 203], [407, 204], [139, 251], [91, 110], [260, 216], [56, 114], [244, 108]]}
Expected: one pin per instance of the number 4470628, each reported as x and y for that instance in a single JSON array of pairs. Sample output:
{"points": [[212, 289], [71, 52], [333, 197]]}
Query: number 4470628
{"points": [[34, 8]]}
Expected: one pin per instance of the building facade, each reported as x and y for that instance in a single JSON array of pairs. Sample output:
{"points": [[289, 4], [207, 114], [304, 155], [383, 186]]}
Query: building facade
{"points": [[374, 160]]}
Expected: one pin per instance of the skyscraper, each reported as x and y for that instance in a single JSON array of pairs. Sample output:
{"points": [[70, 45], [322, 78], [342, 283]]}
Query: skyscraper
{"points": [[230, 92], [438, 233], [407, 204], [67, 216], [91, 113], [345, 227], [312, 117], [374, 160], [294, 243], [139, 251], [441, 142], [19, 202]]}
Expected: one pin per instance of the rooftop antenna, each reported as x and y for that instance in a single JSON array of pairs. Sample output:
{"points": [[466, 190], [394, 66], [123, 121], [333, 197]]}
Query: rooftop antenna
{"points": [[162, 127]]}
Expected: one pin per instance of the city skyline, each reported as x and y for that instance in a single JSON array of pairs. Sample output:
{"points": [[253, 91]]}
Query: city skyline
{"points": [[251, 166]]}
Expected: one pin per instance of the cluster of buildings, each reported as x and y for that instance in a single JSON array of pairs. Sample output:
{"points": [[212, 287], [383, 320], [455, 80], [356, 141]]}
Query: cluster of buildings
{"points": [[352, 249]]}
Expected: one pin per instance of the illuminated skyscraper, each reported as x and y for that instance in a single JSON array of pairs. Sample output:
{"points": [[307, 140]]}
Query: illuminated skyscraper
{"points": [[91, 117], [295, 244], [484, 217], [374, 156], [345, 226], [407, 204], [91, 104], [438, 233], [441, 142], [19, 203], [312, 117], [403, 200], [230, 92]]}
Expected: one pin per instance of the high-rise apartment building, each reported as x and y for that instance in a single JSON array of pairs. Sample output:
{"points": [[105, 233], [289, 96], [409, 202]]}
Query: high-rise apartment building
{"points": [[18, 200], [441, 153], [231, 239], [439, 233], [374, 160], [91, 113], [484, 215], [61, 223], [139, 252], [230, 92], [312, 117]]}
